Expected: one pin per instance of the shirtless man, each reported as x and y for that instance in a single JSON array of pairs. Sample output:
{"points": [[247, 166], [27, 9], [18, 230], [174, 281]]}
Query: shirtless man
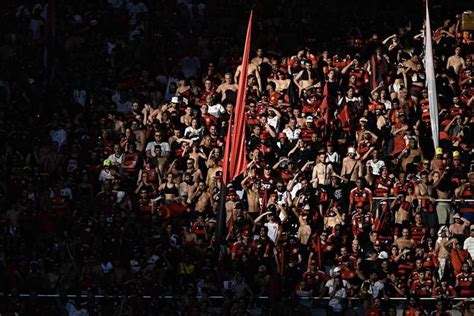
{"points": [[321, 171], [139, 135], [305, 77], [442, 249], [251, 70], [424, 193], [118, 127], [260, 59], [456, 61], [351, 167], [404, 241], [459, 226], [187, 187], [191, 169], [213, 168], [281, 82], [251, 189], [227, 85], [442, 208], [202, 198]]}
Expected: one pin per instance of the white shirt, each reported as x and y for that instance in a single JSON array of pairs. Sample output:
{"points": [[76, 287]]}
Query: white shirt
{"points": [[296, 188], [165, 148], [116, 161], [333, 158], [376, 166], [469, 245], [375, 288], [335, 302], [105, 175], [292, 134], [273, 122], [272, 230], [215, 110], [192, 132]]}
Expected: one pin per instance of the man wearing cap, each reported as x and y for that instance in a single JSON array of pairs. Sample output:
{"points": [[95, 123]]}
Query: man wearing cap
{"points": [[351, 167], [437, 162], [459, 226], [107, 173]]}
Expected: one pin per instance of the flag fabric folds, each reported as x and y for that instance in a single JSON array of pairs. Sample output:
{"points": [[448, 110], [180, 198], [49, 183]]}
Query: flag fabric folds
{"points": [[431, 79], [235, 159]]}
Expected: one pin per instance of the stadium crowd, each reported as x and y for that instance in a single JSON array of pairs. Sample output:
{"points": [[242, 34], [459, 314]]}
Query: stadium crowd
{"points": [[111, 152]]}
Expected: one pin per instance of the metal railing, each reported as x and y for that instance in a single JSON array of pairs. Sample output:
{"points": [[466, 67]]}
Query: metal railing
{"points": [[210, 297], [379, 198]]}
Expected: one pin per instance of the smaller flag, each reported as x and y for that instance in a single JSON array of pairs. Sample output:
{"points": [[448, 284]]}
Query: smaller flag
{"points": [[344, 115]]}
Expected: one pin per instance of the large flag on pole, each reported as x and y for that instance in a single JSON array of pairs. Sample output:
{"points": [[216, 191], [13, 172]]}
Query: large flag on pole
{"points": [[235, 162], [431, 79]]}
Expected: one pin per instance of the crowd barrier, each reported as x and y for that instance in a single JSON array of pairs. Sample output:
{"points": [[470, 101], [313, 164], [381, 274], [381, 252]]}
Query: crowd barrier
{"points": [[210, 297]]}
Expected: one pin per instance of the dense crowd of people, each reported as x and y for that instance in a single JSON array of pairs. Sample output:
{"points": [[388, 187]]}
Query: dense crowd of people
{"points": [[113, 136]]}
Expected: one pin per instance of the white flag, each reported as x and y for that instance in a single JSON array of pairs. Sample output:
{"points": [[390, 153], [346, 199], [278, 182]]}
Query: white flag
{"points": [[431, 80]]}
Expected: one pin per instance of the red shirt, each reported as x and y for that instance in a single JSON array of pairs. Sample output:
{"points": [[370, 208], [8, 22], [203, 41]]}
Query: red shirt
{"points": [[361, 221], [383, 185], [448, 292], [363, 196], [466, 284], [418, 232], [422, 288]]}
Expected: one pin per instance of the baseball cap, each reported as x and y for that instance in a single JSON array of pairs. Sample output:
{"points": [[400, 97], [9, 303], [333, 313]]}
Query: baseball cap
{"points": [[456, 154], [107, 162], [174, 100], [439, 151], [351, 150], [337, 270], [309, 118]]}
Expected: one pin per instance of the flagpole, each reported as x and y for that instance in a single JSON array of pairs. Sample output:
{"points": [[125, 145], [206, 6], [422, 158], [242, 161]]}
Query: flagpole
{"points": [[235, 152], [431, 79], [221, 218]]}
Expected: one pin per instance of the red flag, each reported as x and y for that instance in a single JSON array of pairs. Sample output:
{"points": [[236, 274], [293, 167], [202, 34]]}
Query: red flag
{"points": [[325, 105], [236, 161], [373, 68], [344, 115], [320, 259]]}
